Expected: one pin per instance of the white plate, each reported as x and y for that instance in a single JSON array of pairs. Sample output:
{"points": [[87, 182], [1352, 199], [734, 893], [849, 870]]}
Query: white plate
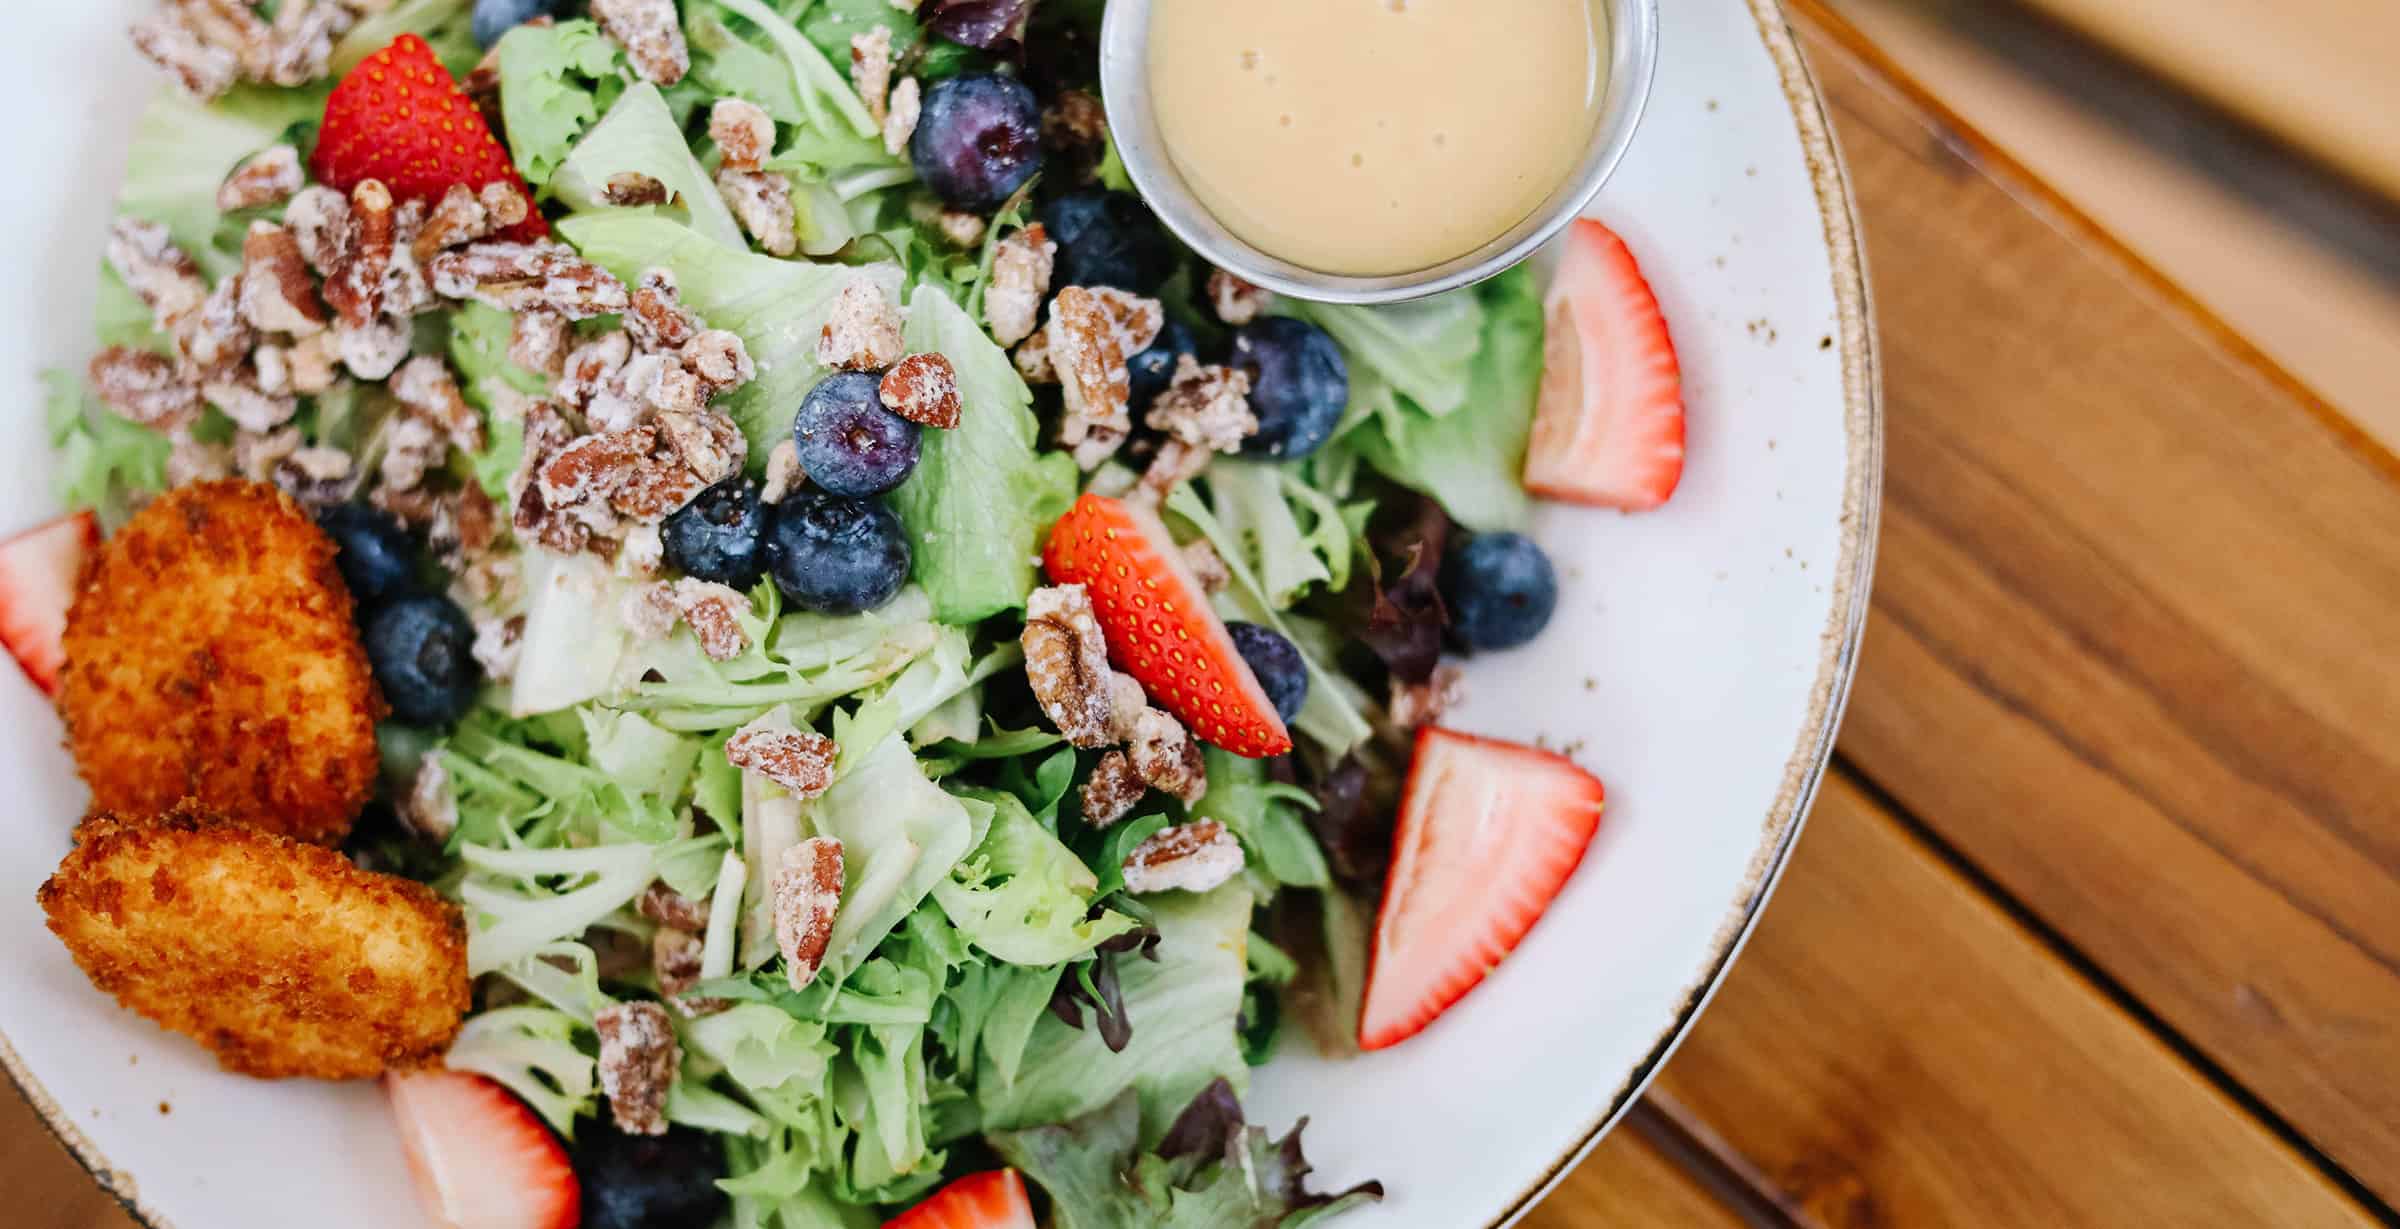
{"points": [[1698, 665]]}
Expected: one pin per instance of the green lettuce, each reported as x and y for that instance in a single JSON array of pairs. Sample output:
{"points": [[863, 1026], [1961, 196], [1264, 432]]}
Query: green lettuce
{"points": [[532, 1051], [1022, 896], [103, 460], [444, 24], [182, 151], [1420, 348], [982, 498], [639, 136], [900, 836], [1266, 817], [554, 82], [832, 108], [1261, 508], [777, 306], [514, 910], [801, 659], [575, 636]]}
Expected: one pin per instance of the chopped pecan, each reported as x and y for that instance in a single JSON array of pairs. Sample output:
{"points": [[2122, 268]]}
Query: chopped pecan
{"points": [[1208, 567], [465, 216], [538, 341], [798, 760], [313, 362], [713, 611], [1208, 407], [355, 277], [593, 467], [268, 178], [660, 382], [649, 612], [907, 106], [632, 188], [145, 388], [499, 643], [1021, 268], [651, 34], [863, 332], [1066, 660], [278, 295], [668, 907], [519, 276], [319, 217], [427, 388], [762, 202], [871, 71], [301, 50], [429, 810], [257, 453], [806, 895], [1237, 302], [657, 319], [923, 388], [592, 369], [190, 460], [1193, 857], [375, 349], [743, 130], [783, 473], [961, 228], [316, 477], [1032, 359], [638, 1059], [1167, 756], [1114, 790], [1093, 332], [675, 959], [719, 360], [216, 338], [203, 71], [1075, 135], [1415, 705], [167, 280], [412, 446], [251, 408], [707, 442]]}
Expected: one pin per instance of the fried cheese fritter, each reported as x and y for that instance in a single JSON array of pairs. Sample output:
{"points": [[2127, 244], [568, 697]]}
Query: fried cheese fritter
{"points": [[211, 655], [280, 957]]}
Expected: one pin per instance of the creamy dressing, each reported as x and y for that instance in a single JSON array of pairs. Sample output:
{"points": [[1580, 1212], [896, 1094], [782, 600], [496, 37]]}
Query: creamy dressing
{"points": [[1375, 137]]}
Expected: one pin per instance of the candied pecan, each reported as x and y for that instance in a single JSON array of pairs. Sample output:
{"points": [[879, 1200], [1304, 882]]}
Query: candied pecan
{"points": [[217, 337], [375, 349], [257, 453], [429, 809], [1075, 134], [356, 273], [412, 446], [203, 71], [190, 460], [313, 362], [638, 1059], [922, 388], [651, 34], [1032, 359], [863, 331], [319, 217], [145, 388], [592, 368], [907, 106], [706, 442], [427, 387], [278, 295], [806, 896], [629, 189], [719, 360], [1193, 857], [1093, 332], [668, 907], [1021, 268], [1237, 302], [465, 216], [1422, 704], [1208, 407], [251, 408], [167, 280], [1208, 567], [661, 382], [1114, 790], [656, 319], [316, 477], [538, 340], [743, 130], [594, 466], [960, 227], [1066, 660], [268, 178], [762, 202], [301, 49], [1166, 756], [675, 960], [518, 276], [783, 473], [871, 71], [713, 611], [650, 612], [798, 760]]}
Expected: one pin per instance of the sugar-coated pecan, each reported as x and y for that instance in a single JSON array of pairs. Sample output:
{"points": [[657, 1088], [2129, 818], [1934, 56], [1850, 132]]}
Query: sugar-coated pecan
{"points": [[268, 178], [145, 388], [806, 898], [638, 1060], [651, 34], [863, 331], [798, 760], [743, 130], [923, 388], [1066, 661], [1021, 267]]}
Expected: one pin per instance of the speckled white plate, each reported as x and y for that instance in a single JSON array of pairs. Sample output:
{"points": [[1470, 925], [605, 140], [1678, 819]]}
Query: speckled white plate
{"points": [[1698, 665]]}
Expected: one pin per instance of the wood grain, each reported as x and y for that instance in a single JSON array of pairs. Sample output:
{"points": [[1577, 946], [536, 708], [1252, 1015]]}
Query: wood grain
{"points": [[1629, 1181], [36, 1172], [2136, 647], [1893, 1050]]}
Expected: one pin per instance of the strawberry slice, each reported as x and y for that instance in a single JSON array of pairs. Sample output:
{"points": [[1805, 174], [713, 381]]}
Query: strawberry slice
{"points": [[1609, 428], [1489, 832], [994, 1200], [400, 117], [38, 569], [1159, 626], [480, 1158]]}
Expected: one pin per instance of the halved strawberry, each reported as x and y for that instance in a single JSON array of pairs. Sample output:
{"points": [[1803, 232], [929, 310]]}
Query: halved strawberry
{"points": [[1489, 832], [37, 583], [994, 1200], [1609, 430], [480, 1158], [400, 117], [1159, 626]]}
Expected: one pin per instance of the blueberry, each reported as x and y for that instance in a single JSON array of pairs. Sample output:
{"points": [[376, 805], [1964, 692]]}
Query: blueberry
{"points": [[835, 555], [720, 535], [978, 139], [376, 556], [1299, 385], [422, 651], [1153, 369], [1276, 662], [648, 1181], [494, 18], [1108, 239], [1500, 589], [849, 443]]}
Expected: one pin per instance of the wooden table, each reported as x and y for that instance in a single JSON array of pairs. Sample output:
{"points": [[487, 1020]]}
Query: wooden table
{"points": [[2097, 921]]}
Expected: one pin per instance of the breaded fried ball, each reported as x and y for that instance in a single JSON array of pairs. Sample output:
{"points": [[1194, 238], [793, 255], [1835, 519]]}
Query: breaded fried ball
{"points": [[280, 957], [211, 655]]}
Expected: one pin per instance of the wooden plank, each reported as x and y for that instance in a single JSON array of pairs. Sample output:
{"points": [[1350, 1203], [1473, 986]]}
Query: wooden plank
{"points": [[2136, 651], [36, 1172], [1894, 1050], [1630, 1181]]}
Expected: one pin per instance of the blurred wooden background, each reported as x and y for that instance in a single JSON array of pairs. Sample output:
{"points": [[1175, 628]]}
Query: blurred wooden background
{"points": [[2098, 919]]}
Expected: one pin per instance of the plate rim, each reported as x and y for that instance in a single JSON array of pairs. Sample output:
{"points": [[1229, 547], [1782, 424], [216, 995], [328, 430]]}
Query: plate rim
{"points": [[1804, 770]]}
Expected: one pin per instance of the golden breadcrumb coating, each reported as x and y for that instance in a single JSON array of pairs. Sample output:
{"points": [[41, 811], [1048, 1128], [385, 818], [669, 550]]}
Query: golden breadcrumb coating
{"points": [[211, 655], [280, 957]]}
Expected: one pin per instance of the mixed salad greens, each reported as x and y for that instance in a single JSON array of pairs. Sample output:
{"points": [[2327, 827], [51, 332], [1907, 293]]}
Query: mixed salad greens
{"points": [[990, 985]]}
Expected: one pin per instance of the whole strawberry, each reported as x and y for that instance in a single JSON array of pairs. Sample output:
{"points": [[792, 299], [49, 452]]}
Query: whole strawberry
{"points": [[401, 118]]}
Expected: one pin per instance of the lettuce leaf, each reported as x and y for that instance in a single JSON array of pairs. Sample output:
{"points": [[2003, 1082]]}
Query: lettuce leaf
{"points": [[1261, 508], [103, 460], [1266, 818], [1022, 896], [639, 136], [531, 1051], [445, 24], [982, 498], [554, 81], [1421, 348], [182, 151], [802, 659], [777, 306], [900, 836], [575, 640], [513, 914], [831, 106]]}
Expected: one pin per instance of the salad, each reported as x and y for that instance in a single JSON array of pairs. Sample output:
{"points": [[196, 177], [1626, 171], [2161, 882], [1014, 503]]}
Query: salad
{"points": [[701, 588]]}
